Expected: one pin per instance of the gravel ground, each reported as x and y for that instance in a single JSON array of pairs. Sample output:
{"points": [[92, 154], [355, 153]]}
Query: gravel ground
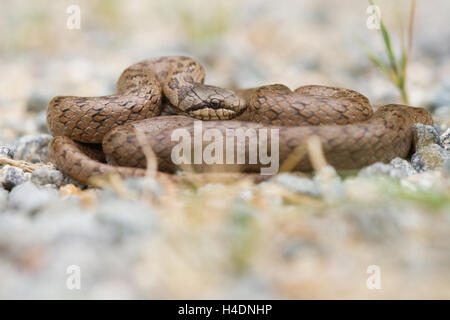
{"points": [[294, 236]]}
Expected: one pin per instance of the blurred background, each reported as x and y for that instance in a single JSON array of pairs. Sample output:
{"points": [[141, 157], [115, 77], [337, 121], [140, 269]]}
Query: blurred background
{"points": [[283, 239], [241, 43]]}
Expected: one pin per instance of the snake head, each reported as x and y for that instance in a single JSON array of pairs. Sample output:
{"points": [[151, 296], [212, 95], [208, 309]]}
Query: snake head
{"points": [[206, 102]]}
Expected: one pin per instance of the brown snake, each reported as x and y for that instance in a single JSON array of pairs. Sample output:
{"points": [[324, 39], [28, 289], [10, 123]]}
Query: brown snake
{"points": [[352, 135]]}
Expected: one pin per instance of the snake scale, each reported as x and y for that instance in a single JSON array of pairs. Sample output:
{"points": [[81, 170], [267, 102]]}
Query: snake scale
{"points": [[158, 95]]}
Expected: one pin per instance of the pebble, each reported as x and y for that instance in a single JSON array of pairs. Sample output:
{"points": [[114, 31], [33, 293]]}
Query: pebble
{"points": [[425, 135], [430, 153], [6, 152], [32, 148], [298, 184], [12, 176], [29, 198], [46, 175], [330, 184], [397, 168], [144, 185], [445, 139]]}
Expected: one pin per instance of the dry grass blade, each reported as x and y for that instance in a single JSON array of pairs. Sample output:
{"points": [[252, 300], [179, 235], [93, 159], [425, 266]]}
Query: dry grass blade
{"points": [[294, 158], [113, 181], [152, 164], [227, 178], [24, 165], [316, 154], [152, 172], [412, 14], [312, 147]]}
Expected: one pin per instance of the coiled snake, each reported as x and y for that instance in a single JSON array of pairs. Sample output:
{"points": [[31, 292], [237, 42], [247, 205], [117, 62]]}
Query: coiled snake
{"points": [[352, 135]]}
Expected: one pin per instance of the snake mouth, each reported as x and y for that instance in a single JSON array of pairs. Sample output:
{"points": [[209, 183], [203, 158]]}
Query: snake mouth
{"points": [[206, 113]]}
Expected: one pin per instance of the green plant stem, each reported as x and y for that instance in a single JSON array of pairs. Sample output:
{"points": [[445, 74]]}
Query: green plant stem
{"points": [[404, 93], [396, 69]]}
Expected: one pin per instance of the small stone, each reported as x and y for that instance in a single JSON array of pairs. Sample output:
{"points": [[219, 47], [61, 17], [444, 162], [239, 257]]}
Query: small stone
{"points": [[362, 189], [403, 165], [298, 184], [30, 198], [6, 152], [425, 135], [439, 128], [45, 175], [143, 185], [87, 197], [12, 176], [423, 181], [430, 154], [68, 180], [330, 184], [429, 158], [32, 148], [69, 190], [445, 138], [397, 168]]}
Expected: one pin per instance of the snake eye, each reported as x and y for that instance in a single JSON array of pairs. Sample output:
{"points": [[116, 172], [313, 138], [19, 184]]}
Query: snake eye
{"points": [[215, 103]]}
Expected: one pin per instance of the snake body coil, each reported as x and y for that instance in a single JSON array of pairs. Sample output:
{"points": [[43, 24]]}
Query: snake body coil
{"points": [[352, 135]]}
